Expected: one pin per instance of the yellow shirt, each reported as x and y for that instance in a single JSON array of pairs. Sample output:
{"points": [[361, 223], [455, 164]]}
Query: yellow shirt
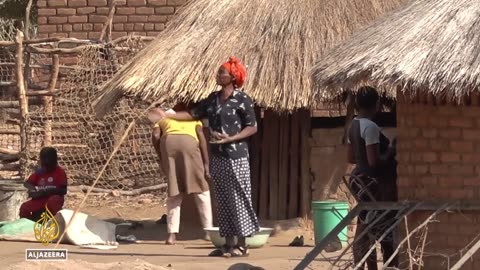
{"points": [[171, 127]]}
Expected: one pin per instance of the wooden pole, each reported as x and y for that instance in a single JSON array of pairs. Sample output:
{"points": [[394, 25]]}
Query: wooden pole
{"points": [[283, 159], [27, 19], [48, 101], [272, 166], [107, 28], [294, 172], [305, 178], [22, 97]]}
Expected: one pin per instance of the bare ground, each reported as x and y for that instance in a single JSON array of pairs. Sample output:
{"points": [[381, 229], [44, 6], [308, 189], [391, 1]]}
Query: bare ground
{"points": [[152, 254]]}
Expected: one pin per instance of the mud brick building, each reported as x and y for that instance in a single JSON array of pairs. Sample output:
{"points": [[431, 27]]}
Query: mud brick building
{"points": [[84, 19]]}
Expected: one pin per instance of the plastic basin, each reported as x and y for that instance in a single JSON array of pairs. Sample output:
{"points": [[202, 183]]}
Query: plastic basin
{"points": [[256, 241]]}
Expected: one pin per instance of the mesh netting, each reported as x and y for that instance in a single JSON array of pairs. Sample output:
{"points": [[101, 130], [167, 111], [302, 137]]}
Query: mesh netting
{"points": [[66, 121], [9, 129]]}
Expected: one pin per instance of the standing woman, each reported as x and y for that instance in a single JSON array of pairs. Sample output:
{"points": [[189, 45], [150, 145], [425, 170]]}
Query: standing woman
{"points": [[375, 169], [182, 148], [231, 117]]}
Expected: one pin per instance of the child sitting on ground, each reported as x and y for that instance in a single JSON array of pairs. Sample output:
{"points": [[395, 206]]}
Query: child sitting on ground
{"points": [[46, 187]]}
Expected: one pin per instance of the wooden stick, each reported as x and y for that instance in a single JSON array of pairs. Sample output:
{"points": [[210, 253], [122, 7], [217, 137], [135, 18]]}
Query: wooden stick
{"points": [[9, 132], [9, 158], [4, 43], [23, 101], [11, 83], [108, 23], [422, 250], [27, 19], [8, 151], [104, 168], [83, 188], [42, 93], [408, 245], [48, 101], [125, 38], [466, 256]]}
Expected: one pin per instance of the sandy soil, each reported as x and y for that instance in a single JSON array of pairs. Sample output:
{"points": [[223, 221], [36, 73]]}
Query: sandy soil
{"points": [[152, 254]]}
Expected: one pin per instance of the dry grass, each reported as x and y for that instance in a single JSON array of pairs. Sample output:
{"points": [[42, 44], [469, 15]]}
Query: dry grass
{"points": [[278, 40], [430, 44]]}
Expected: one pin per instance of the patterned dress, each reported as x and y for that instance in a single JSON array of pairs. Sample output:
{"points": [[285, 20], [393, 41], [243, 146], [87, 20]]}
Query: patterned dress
{"points": [[230, 167]]}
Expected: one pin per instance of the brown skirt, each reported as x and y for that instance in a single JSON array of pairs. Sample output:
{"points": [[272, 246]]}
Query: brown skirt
{"points": [[183, 165]]}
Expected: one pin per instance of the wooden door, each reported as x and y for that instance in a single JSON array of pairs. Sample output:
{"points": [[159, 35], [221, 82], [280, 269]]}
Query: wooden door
{"points": [[280, 164]]}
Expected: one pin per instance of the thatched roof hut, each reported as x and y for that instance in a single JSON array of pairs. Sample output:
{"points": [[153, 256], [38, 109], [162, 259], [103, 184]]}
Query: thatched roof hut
{"points": [[278, 40], [431, 45]]}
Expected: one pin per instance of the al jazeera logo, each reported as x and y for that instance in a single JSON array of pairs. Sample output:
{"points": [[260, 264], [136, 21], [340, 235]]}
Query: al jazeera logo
{"points": [[46, 230]]}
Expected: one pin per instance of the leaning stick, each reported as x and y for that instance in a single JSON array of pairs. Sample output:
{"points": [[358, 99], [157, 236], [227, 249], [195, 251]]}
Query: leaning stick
{"points": [[115, 150]]}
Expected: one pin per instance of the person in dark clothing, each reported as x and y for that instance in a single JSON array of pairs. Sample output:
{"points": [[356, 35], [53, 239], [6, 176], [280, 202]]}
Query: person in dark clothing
{"points": [[375, 171], [46, 187], [231, 118]]}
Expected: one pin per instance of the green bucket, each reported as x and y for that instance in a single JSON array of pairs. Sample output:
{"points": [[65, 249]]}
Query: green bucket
{"points": [[326, 216]]}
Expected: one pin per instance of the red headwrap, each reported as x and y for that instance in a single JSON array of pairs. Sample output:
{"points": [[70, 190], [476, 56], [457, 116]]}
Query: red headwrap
{"points": [[237, 70]]}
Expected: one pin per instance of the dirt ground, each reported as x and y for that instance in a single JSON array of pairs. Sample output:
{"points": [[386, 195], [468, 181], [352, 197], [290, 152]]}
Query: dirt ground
{"points": [[153, 254]]}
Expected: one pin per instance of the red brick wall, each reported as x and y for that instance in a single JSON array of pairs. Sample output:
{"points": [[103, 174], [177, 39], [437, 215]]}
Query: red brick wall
{"points": [[439, 159], [84, 19]]}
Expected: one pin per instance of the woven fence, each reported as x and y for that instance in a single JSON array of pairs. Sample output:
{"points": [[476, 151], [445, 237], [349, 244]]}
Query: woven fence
{"points": [[61, 79]]}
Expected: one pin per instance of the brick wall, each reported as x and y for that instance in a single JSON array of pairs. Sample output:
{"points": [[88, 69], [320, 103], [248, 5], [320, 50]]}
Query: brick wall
{"points": [[439, 159], [84, 19]]}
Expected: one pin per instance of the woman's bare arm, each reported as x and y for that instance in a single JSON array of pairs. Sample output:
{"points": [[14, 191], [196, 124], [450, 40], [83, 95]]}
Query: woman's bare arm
{"points": [[203, 145], [179, 116], [203, 150], [245, 133]]}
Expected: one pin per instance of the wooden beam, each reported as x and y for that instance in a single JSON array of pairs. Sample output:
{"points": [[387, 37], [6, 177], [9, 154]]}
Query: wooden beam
{"points": [[264, 173], [8, 151], [305, 176], [9, 167], [294, 174], [11, 83], [272, 166], [283, 158], [42, 93]]}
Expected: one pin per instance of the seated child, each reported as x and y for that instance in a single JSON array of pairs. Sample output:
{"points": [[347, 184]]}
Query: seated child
{"points": [[46, 187]]}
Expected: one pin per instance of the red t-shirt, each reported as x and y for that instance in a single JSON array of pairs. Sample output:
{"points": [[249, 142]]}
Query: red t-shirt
{"points": [[54, 179]]}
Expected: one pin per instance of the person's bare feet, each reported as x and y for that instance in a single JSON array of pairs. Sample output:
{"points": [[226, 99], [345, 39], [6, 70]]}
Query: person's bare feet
{"points": [[171, 239]]}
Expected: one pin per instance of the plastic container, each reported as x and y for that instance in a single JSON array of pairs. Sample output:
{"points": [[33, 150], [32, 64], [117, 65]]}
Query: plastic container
{"points": [[256, 241], [326, 216], [12, 195]]}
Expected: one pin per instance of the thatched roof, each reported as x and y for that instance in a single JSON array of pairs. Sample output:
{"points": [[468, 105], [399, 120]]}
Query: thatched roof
{"points": [[278, 40], [429, 45]]}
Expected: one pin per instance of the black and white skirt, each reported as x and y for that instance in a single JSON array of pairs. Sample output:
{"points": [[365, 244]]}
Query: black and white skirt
{"points": [[233, 192]]}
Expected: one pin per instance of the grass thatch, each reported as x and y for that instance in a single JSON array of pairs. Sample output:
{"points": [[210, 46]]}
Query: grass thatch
{"points": [[278, 40], [430, 45]]}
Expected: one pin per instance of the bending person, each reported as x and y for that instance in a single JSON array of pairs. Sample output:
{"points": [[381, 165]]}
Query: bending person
{"points": [[182, 148]]}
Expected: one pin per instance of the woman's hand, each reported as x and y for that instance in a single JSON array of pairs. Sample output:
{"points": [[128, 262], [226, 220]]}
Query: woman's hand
{"points": [[221, 138], [208, 177]]}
